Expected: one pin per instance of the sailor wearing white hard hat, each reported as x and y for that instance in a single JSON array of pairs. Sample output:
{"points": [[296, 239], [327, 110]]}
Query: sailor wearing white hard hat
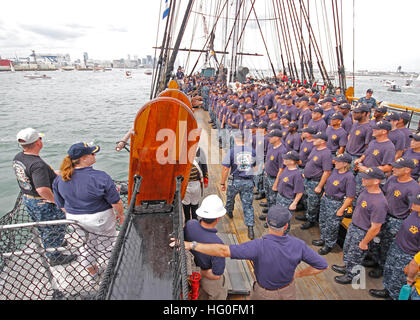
{"points": [[212, 284]]}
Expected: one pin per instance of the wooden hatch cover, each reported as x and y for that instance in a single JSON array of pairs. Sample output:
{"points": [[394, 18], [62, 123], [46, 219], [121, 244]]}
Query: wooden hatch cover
{"points": [[163, 146], [177, 94]]}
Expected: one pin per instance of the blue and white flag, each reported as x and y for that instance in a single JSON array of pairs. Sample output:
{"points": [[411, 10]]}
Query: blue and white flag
{"points": [[166, 11]]}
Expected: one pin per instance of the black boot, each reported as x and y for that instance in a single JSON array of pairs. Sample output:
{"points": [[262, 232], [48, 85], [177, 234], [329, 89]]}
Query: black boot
{"points": [[301, 217], [324, 250], [264, 210], [264, 204], [376, 273], [382, 294], [260, 196], [307, 225], [318, 243], [262, 217]]}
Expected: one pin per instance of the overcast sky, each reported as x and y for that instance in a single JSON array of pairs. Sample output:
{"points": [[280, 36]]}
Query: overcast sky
{"points": [[386, 30]]}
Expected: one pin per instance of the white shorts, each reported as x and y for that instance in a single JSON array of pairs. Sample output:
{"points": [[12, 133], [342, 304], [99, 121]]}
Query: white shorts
{"points": [[193, 193], [99, 232]]}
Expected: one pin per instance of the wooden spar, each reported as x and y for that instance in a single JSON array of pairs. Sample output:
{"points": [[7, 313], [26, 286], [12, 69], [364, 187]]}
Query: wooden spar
{"points": [[218, 52]]}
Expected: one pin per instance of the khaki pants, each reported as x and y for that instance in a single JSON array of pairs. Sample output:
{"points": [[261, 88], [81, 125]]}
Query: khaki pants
{"points": [[212, 289], [260, 293]]}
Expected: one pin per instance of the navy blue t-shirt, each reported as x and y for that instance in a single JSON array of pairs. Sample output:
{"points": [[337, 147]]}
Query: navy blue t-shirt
{"points": [[241, 160], [193, 231], [89, 191], [276, 258]]}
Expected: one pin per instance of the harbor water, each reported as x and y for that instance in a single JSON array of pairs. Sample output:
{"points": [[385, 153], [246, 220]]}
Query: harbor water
{"points": [[99, 108]]}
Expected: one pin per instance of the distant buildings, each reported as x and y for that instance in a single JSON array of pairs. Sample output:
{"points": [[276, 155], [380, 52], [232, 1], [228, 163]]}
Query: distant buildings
{"points": [[54, 61]]}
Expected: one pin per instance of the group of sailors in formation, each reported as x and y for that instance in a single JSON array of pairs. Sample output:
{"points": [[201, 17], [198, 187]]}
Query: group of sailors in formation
{"points": [[321, 155]]}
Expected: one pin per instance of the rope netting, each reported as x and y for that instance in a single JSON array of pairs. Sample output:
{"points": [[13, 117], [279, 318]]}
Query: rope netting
{"points": [[53, 259]]}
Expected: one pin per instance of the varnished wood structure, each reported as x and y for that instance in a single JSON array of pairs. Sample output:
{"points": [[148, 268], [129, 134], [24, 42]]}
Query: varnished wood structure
{"points": [[165, 133], [177, 94]]}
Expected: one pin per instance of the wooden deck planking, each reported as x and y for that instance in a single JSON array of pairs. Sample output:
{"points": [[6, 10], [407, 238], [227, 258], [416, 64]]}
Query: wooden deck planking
{"points": [[320, 287]]}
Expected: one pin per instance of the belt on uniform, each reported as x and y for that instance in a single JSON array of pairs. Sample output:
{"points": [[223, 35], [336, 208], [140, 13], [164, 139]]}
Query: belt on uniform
{"points": [[333, 198], [272, 177], [314, 179], [396, 217], [241, 178], [33, 197], [285, 286]]}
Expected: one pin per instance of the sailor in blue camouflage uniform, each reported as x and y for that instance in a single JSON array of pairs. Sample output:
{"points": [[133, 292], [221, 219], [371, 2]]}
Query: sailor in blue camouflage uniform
{"points": [[205, 94], [241, 160], [289, 183], [368, 217], [316, 172], [273, 164], [339, 194], [368, 99], [260, 146], [403, 249], [398, 189]]}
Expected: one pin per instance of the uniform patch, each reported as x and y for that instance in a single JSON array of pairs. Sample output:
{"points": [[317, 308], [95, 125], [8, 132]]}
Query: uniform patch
{"points": [[414, 229], [334, 137], [397, 193], [364, 204], [357, 132], [336, 183], [376, 152]]}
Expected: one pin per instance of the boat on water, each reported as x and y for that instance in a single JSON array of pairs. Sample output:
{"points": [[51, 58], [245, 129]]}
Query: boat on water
{"points": [[34, 76], [148, 72], [394, 88], [142, 266]]}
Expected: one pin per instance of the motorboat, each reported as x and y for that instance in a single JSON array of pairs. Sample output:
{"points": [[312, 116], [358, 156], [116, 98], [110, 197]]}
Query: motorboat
{"points": [[389, 83], [148, 72], [394, 88], [37, 76]]}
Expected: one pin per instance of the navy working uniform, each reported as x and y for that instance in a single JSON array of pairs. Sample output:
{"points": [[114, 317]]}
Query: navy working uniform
{"points": [[338, 187], [370, 208], [241, 161]]}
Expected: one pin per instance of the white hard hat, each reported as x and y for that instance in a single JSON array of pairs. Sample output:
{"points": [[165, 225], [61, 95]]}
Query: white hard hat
{"points": [[28, 136], [211, 208]]}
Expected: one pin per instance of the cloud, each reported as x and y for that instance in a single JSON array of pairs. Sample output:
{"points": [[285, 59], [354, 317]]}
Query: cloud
{"points": [[54, 33], [117, 29]]}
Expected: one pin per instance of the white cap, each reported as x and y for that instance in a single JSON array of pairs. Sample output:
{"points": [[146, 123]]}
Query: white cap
{"points": [[211, 208], [28, 136]]}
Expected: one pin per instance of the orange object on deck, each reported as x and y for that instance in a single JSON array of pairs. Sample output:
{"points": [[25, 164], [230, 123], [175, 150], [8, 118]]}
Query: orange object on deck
{"points": [[177, 94], [163, 147]]}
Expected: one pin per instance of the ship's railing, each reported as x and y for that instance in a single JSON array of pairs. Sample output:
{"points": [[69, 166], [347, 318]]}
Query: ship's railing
{"points": [[414, 112], [28, 256]]}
